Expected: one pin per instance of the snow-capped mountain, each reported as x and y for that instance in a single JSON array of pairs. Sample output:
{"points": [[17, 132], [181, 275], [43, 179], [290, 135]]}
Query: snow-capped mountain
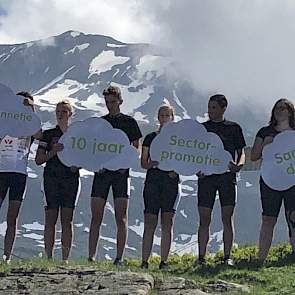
{"points": [[78, 67]]}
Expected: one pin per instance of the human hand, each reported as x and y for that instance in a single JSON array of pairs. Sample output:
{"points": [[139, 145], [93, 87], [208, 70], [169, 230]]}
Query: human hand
{"points": [[57, 147], [28, 102], [153, 164], [74, 169], [267, 140], [233, 167], [200, 174]]}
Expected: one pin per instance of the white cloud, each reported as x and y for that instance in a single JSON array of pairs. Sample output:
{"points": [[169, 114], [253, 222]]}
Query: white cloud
{"points": [[241, 48], [36, 19]]}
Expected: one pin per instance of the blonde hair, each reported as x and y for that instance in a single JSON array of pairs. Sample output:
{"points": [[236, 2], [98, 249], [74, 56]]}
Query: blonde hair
{"points": [[66, 103], [169, 107]]}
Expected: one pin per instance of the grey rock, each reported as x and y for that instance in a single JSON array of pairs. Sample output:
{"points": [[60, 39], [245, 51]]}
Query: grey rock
{"points": [[221, 286], [88, 281]]}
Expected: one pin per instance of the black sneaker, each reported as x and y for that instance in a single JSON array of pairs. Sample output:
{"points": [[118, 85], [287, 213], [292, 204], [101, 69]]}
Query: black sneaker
{"points": [[164, 265], [201, 261], [228, 262], [144, 265], [118, 262]]}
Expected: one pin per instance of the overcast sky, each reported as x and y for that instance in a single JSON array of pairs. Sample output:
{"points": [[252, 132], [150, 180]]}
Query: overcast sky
{"points": [[243, 48]]}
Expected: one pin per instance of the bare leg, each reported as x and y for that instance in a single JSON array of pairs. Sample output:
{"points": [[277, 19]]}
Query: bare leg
{"points": [[150, 224], [167, 219], [12, 216], [121, 207], [97, 211], [67, 231], [290, 217], [203, 232], [49, 231], [228, 228], [266, 234]]}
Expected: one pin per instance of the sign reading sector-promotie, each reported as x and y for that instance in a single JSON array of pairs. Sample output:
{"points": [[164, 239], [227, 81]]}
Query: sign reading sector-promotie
{"points": [[16, 119], [94, 144], [186, 147], [278, 164]]}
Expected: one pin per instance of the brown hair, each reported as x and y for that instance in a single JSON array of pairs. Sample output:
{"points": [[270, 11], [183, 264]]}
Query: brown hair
{"points": [[220, 99], [291, 110], [167, 106], [113, 90], [25, 94]]}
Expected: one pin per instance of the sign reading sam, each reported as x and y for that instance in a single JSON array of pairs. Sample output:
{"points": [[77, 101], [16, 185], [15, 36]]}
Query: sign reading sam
{"points": [[278, 164], [186, 147]]}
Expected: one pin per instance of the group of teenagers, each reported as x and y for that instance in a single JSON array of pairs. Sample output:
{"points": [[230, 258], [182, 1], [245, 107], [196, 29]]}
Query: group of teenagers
{"points": [[61, 184]]}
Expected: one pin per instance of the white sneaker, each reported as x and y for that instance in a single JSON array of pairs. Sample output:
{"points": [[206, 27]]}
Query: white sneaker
{"points": [[6, 260]]}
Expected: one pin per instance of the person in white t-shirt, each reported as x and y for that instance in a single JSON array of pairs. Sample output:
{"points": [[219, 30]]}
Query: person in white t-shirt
{"points": [[14, 152]]}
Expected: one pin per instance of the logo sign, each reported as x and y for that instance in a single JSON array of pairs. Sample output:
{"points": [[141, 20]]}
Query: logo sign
{"points": [[94, 144], [186, 147], [16, 119], [278, 164]]}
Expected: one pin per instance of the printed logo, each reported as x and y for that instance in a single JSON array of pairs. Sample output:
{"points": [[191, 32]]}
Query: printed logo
{"points": [[8, 141]]}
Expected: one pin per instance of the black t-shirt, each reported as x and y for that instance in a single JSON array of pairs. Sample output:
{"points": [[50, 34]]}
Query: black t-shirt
{"points": [[126, 124], [148, 139], [230, 134], [267, 131], [54, 167], [147, 143]]}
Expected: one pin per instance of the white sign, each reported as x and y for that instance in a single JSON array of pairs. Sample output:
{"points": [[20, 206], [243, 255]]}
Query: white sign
{"points": [[186, 147], [94, 144], [278, 164], [16, 119]]}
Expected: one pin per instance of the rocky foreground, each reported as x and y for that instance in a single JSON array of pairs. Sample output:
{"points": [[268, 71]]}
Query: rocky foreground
{"points": [[92, 281]]}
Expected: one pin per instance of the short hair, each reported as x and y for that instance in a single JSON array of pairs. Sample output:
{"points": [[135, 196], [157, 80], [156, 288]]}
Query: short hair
{"points": [[25, 94], [113, 90], [220, 99], [169, 107], [66, 102]]}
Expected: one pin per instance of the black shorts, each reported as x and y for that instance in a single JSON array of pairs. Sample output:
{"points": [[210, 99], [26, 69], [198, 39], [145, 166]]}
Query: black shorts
{"points": [[271, 200], [61, 192], [160, 192], [120, 183], [224, 183], [15, 183]]}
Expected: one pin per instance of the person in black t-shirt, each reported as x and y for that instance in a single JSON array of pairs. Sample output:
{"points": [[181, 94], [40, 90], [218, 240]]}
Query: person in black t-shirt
{"points": [[233, 140], [118, 180], [160, 193], [282, 118], [61, 184]]}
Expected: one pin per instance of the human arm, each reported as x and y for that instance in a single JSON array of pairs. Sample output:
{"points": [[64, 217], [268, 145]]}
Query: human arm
{"points": [[236, 166], [43, 156], [145, 159]]}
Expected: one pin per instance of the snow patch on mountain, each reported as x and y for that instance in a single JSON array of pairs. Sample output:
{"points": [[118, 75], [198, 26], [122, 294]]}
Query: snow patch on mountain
{"points": [[96, 103], [152, 66], [49, 99], [138, 116], [75, 34], [184, 111], [78, 47], [54, 81], [133, 100], [105, 61], [115, 45]]}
